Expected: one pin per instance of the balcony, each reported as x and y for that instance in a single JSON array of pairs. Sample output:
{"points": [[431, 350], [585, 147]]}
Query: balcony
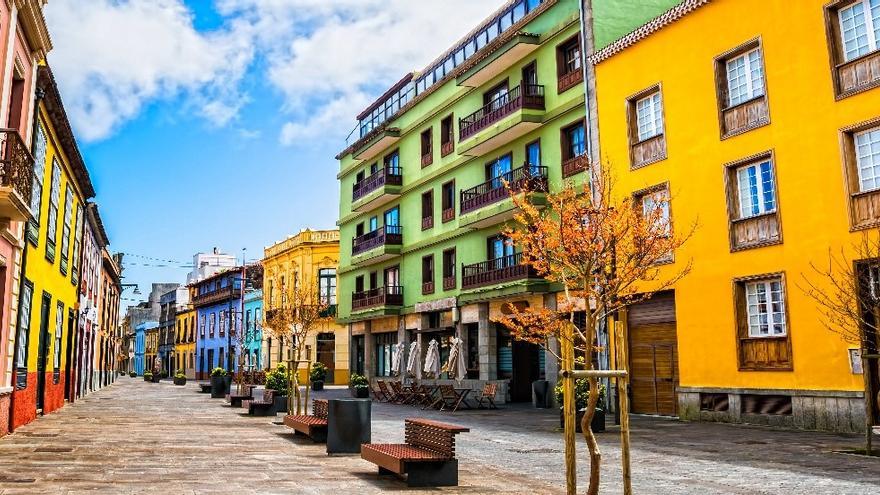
{"points": [[16, 176], [498, 271], [390, 297], [378, 245], [858, 74], [216, 296], [376, 190], [378, 143], [569, 80], [575, 165], [504, 119], [489, 203], [501, 59]]}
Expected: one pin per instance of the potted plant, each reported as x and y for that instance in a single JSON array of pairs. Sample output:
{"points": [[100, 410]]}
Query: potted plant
{"points": [[180, 378], [582, 395], [317, 375], [148, 376], [163, 375], [132, 374], [360, 386], [218, 383], [276, 380]]}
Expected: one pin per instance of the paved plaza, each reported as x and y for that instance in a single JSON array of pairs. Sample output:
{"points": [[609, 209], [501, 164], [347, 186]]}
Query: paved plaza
{"points": [[137, 437]]}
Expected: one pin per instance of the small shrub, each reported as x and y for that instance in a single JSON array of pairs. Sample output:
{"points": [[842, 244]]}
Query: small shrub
{"points": [[218, 371], [358, 381], [180, 375], [581, 394], [318, 372], [132, 374], [277, 379], [148, 374]]}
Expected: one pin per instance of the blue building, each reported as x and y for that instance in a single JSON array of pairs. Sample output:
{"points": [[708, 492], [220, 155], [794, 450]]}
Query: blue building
{"points": [[140, 345], [217, 302], [253, 324]]}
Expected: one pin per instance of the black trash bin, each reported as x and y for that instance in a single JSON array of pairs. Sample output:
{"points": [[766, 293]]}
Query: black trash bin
{"points": [[542, 394], [348, 425]]}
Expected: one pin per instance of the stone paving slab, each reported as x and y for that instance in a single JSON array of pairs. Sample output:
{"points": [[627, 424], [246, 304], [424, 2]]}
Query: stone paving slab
{"points": [[137, 437]]}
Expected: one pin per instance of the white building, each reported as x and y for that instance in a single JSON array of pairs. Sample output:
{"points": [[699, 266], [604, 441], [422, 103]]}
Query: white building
{"points": [[208, 264]]}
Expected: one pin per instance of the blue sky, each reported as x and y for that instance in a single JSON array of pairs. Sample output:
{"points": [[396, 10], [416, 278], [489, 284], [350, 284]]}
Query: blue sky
{"points": [[215, 122]]}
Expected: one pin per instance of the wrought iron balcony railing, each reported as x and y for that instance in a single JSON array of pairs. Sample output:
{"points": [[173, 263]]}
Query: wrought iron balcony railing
{"points": [[527, 177], [380, 296], [16, 164], [382, 177], [526, 96], [504, 269], [388, 234]]}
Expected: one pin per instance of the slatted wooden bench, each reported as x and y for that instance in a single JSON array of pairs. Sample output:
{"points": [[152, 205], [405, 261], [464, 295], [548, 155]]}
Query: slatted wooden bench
{"points": [[426, 459], [236, 399], [262, 407], [205, 388], [312, 425]]}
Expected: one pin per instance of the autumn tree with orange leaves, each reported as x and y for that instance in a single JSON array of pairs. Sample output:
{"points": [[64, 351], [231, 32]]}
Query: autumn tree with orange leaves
{"points": [[607, 251]]}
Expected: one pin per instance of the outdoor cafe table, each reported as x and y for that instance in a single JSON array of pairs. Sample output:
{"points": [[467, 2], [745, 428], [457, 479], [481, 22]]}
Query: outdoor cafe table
{"points": [[462, 397]]}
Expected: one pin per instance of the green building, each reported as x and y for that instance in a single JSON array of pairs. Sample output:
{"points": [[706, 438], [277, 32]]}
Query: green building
{"points": [[422, 187]]}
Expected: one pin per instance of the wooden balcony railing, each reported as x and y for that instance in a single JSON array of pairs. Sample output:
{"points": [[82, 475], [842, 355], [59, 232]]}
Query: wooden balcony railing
{"points": [[448, 214], [569, 80], [650, 150], [447, 147], [858, 74], [502, 106], [388, 234], [527, 177], [449, 282], [378, 297], [575, 165], [427, 288], [427, 159], [744, 116], [382, 177], [16, 164], [428, 223], [216, 296], [491, 272]]}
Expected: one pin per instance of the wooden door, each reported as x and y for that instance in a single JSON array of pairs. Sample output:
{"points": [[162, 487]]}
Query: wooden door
{"points": [[326, 354], [43, 352], [653, 357]]}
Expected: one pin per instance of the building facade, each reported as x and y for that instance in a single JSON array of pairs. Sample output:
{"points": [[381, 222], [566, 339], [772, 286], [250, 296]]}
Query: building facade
{"points": [[168, 327], [185, 346], [253, 330], [308, 259], [89, 333], [208, 264], [24, 42], [740, 130], [216, 300], [141, 332], [423, 196], [108, 311]]}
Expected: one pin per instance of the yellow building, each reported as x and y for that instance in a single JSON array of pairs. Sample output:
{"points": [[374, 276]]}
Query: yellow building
{"points": [[53, 253], [185, 341], [730, 110], [310, 258]]}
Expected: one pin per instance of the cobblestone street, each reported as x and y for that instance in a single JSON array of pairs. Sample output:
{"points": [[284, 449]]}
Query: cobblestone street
{"points": [[136, 437]]}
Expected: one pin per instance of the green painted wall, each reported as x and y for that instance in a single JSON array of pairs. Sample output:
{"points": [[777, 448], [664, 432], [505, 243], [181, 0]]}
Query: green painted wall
{"points": [[613, 19]]}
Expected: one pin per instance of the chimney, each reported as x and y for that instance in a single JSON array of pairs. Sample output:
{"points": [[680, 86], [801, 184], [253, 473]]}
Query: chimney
{"points": [[216, 251]]}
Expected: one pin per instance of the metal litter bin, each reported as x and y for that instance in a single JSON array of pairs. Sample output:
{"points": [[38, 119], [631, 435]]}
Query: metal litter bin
{"points": [[348, 425]]}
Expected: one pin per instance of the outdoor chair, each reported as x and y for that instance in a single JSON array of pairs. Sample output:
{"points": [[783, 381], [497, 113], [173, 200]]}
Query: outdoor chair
{"points": [[486, 397]]}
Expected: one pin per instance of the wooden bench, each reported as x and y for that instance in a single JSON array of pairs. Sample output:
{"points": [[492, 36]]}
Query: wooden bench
{"points": [[427, 458], [312, 425], [205, 388], [262, 407], [236, 399]]}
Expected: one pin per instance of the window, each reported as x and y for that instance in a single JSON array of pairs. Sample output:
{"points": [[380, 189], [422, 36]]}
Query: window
{"points": [[327, 285], [427, 147], [499, 169], [859, 28], [755, 189], [59, 328], [745, 77], [77, 243], [496, 97], [447, 199], [212, 325], [374, 224], [428, 274], [765, 308], [24, 325], [427, 210], [65, 229], [37, 184], [392, 163], [449, 269], [54, 197], [533, 156], [573, 141], [649, 116], [392, 220], [359, 283], [385, 343], [500, 250], [202, 325], [655, 206], [568, 64], [867, 154], [447, 136]]}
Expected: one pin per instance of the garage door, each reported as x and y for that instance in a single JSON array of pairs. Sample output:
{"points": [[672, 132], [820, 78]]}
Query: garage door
{"points": [[653, 356]]}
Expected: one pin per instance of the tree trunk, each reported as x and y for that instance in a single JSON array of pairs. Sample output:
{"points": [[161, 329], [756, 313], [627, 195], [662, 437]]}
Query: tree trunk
{"points": [[592, 443]]}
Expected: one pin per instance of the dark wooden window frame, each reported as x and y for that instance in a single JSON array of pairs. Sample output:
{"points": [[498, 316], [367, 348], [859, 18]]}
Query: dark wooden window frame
{"points": [[572, 165], [568, 79], [836, 55], [632, 126], [447, 211], [428, 216], [428, 274], [732, 193], [851, 175], [637, 199], [722, 93], [449, 281], [447, 135], [427, 146], [741, 330]]}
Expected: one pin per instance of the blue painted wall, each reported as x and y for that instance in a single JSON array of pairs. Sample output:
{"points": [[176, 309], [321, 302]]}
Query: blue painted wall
{"points": [[140, 344], [213, 323], [253, 318]]}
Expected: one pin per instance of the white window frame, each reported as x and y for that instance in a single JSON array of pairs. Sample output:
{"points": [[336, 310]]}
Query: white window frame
{"points": [[751, 69], [24, 326], [762, 189], [652, 200], [40, 145], [59, 329], [650, 122], [762, 320], [868, 182], [870, 29], [54, 198]]}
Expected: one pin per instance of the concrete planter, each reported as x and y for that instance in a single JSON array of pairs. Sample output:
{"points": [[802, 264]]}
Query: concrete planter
{"points": [[180, 381], [218, 387]]}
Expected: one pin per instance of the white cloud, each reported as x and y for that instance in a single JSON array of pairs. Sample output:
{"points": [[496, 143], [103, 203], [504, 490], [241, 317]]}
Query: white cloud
{"points": [[331, 58], [114, 56]]}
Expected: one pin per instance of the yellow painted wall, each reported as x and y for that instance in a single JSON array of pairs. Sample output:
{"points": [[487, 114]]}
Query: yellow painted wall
{"points": [[804, 135], [44, 274], [185, 328], [301, 256]]}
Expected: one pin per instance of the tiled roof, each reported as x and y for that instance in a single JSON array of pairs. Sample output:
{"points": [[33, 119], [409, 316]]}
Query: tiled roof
{"points": [[675, 13]]}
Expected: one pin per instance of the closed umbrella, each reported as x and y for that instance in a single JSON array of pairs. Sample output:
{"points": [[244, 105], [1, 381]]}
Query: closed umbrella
{"points": [[455, 366], [412, 366], [397, 358], [432, 359]]}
